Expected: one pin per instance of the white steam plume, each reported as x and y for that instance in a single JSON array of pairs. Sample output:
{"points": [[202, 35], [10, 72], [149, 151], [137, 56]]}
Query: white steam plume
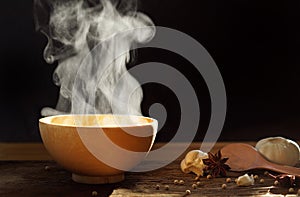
{"points": [[84, 37]]}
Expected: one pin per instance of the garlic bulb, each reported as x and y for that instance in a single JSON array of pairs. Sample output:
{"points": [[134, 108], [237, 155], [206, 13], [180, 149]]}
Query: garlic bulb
{"points": [[193, 162], [245, 180], [279, 150]]}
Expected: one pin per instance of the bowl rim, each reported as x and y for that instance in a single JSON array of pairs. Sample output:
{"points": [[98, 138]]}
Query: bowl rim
{"points": [[47, 121]]}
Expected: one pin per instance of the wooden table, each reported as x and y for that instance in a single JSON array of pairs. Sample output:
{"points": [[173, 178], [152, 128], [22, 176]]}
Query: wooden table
{"points": [[23, 173]]}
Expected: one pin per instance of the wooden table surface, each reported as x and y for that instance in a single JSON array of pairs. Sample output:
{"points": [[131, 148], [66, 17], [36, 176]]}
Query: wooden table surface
{"points": [[22, 173]]}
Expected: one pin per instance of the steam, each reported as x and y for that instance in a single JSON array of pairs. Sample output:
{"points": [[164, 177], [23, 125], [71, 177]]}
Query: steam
{"points": [[91, 41]]}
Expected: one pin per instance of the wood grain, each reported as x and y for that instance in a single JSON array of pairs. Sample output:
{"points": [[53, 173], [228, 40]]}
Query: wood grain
{"points": [[23, 151], [30, 178]]}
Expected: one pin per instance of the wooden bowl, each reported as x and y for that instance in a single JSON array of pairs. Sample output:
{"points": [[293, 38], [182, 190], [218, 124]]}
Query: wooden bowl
{"points": [[98, 149]]}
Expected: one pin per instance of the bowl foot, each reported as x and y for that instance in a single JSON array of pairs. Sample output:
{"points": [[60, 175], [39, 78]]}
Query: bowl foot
{"points": [[97, 179]]}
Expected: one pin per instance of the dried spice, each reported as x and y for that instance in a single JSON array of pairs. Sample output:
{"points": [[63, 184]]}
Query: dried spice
{"points": [[47, 168], [291, 190], [194, 186], [224, 186], [167, 187], [285, 180], [188, 192], [215, 164], [157, 187]]}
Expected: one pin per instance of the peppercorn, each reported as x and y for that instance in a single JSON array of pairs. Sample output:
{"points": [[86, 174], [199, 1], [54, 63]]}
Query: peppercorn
{"points": [[157, 187], [188, 192], [181, 182], [167, 187], [291, 190], [194, 186], [224, 186]]}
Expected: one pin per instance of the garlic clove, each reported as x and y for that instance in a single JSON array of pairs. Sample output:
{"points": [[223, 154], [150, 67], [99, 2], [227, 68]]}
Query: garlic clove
{"points": [[279, 150], [245, 180], [198, 170], [184, 167], [194, 155], [193, 162]]}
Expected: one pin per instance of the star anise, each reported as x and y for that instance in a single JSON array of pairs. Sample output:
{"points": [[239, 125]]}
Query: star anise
{"points": [[215, 164]]}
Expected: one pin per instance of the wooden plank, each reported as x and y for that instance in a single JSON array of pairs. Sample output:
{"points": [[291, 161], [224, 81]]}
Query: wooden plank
{"points": [[23, 151], [29, 178], [37, 151]]}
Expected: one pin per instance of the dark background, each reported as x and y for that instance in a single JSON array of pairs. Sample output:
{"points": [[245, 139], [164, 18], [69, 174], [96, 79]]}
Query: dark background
{"points": [[254, 43]]}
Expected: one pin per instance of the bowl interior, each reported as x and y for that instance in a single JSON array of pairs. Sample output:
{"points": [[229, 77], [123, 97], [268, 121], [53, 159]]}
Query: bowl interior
{"points": [[102, 120]]}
